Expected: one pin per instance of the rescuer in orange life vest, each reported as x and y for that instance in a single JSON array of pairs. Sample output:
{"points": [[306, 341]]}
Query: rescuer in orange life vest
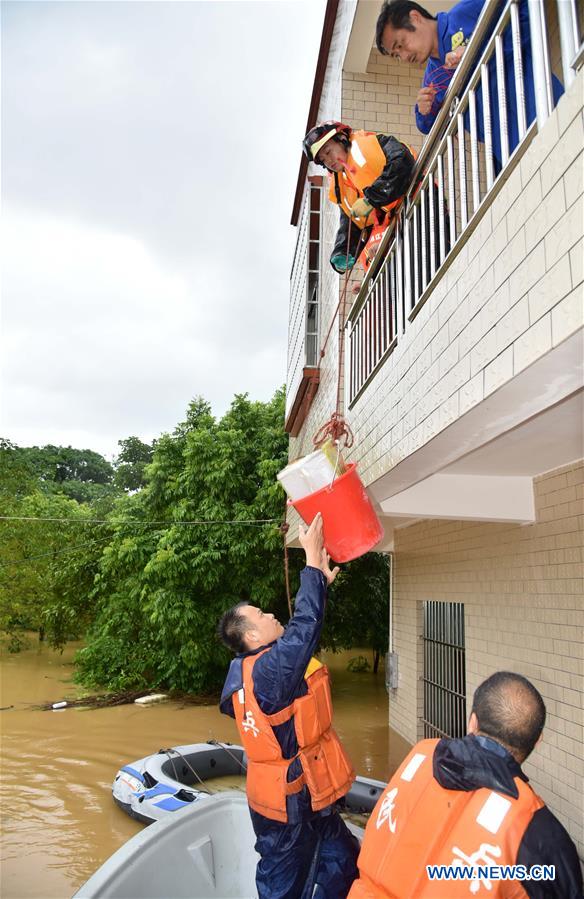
{"points": [[279, 695], [368, 177], [466, 802]]}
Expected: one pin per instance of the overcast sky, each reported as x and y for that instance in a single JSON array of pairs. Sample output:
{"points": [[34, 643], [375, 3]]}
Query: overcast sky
{"points": [[150, 152]]}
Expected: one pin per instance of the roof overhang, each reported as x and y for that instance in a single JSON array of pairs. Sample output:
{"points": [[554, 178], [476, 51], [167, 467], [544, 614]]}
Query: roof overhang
{"points": [[330, 17]]}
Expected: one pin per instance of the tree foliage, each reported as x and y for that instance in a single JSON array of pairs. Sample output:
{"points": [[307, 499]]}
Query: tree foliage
{"points": [[82, 475], [47, 566], [130, 465], [185, 528], [164, 580]]}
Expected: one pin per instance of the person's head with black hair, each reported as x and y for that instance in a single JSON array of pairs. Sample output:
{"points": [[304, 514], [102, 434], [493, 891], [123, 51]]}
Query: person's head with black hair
{"points": [[244, 627], [508, 708], [328, 144], [406, 31]]}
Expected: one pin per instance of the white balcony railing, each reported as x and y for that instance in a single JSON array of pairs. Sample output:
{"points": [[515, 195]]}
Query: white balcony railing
{"points": [[479, 134]]}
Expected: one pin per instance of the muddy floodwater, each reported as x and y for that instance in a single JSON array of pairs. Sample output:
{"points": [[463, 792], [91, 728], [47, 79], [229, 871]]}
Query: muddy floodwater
{"points": [[59, 822]]}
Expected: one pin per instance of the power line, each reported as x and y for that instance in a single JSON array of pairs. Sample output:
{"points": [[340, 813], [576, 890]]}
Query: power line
{"points": [[236, 521], [56, 552]]}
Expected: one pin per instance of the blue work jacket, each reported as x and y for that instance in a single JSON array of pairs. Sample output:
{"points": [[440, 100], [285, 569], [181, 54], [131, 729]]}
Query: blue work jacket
{"points": [[278, 676], [455, 28]]}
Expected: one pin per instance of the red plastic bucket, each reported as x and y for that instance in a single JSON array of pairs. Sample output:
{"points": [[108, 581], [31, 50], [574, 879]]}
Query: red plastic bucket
{"points": [[350, 524]]}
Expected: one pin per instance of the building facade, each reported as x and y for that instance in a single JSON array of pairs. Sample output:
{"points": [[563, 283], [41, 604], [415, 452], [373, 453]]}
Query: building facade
{"points": [[461, 377]]}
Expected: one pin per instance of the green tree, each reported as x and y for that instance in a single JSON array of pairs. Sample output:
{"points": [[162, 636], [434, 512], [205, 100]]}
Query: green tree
{"points": [[358, 607], [49, 546], [83, 475], [131, 463], [32, 553], [165, 579]]}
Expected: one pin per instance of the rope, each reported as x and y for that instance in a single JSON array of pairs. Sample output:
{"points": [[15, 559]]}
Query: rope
{"points": [[186, 761], [224, 747], [284, 528], [342, 296], [336, 427]]}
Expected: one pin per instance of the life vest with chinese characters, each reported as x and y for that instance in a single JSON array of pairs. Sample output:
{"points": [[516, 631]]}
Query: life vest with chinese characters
{"points": [[369, 252], [365, 163], [416, 822], [326, 769]]}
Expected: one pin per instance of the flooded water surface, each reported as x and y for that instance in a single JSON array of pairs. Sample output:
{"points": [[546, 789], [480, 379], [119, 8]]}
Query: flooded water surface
{"points": [[59, 822]]}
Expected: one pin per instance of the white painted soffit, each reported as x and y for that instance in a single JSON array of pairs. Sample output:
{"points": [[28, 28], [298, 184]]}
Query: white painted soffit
{"points": [[466, 498], [362, 36], [544, 385]]}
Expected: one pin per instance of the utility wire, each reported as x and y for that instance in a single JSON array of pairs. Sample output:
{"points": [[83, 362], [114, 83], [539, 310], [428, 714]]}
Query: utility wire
{"points": [[56, 552], [249, 521]]}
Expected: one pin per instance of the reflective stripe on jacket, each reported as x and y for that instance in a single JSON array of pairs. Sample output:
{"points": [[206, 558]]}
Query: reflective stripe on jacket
{"points": [[326, 769], [365, 163], [416, 822]]}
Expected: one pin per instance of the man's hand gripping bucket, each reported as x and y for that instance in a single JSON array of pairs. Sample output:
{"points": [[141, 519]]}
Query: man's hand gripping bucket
{"points": [[351, 527]]}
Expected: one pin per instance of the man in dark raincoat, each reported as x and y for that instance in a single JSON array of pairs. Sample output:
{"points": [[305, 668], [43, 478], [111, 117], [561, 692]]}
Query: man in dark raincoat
{"points": [[459, 816], [306, 853], [369, 174]]}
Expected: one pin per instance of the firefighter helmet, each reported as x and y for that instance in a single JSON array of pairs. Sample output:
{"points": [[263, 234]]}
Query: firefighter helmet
{"points": [[320, 134]]}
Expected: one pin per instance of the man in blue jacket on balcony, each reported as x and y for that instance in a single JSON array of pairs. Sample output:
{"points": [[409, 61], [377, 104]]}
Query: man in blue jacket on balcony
{"points": [[408, 32]]}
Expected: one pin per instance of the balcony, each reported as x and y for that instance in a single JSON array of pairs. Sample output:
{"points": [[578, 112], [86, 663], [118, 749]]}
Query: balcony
{"points": [[463, 378]]}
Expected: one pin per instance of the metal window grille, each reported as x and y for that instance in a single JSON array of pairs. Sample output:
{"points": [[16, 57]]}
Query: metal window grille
{"points": [[444, 670], [314, 244]]}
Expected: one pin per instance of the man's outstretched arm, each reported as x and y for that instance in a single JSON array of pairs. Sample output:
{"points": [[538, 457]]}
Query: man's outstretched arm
{"points": [[278, 673]]}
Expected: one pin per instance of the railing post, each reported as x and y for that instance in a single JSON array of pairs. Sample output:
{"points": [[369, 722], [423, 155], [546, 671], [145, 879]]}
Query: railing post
{"points": [[568, 38], [518, 70], [539, 54], [400, 299], [408, 304]]}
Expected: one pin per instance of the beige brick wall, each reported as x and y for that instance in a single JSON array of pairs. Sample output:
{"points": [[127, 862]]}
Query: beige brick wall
{"points": [[383, 98], [522, 588], [513, 293], [368, 101]]}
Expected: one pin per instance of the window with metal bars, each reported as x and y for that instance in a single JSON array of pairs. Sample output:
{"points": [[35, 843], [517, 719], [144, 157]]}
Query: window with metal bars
{"points": [[444, 677], [314, 241]]}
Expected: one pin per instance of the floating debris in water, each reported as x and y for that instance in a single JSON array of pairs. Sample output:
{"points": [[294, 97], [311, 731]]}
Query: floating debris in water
{"points": [[125, 697], [153, 697]]}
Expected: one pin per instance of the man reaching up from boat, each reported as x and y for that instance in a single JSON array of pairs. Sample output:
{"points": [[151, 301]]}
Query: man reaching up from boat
{"points": [[279, 695]]}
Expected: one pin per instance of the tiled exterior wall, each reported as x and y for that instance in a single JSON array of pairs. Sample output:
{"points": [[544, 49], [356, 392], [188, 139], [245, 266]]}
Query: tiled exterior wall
{"points": [[382, 99], [330, 108], [512, 294], [522, 587]]}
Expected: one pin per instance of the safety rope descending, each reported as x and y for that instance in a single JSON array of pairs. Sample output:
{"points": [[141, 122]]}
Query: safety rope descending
{"points": [[336, 427], [284, 528]]}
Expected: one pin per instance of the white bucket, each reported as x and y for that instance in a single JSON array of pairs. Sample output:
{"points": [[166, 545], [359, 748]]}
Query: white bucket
{"points": [[307, 475]]}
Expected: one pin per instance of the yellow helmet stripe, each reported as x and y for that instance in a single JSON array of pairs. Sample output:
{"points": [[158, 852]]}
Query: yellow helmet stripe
{"points": [[319, 144]]}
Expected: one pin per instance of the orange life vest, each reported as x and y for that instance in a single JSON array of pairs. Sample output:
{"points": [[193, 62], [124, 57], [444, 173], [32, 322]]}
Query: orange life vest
{"points": [[369, 251], [365, 163], [326, 769], [416, 822]]}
